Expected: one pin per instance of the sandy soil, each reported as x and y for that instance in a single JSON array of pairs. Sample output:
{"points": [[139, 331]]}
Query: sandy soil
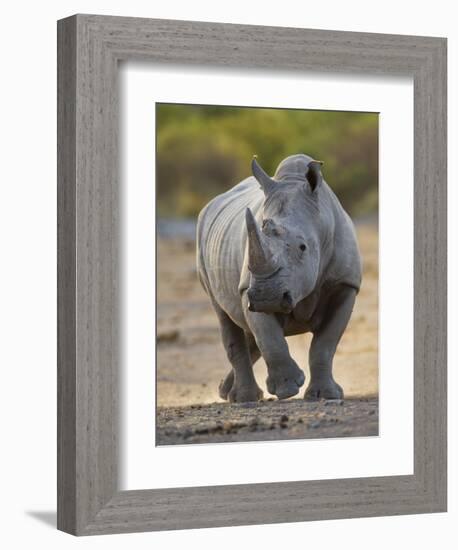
{"points": [[191, 360], [267, 421]]}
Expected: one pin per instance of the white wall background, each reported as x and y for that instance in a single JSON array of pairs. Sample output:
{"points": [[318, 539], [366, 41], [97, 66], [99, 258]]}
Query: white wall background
{"points": [[28, 273]]}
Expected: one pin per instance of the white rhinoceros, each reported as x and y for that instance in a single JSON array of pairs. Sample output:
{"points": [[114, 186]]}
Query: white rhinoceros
{"points": [[278, 256]]}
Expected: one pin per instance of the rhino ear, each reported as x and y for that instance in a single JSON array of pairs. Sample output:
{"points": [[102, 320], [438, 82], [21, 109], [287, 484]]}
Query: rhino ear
{"points": [[313, 175], [265, 181]]}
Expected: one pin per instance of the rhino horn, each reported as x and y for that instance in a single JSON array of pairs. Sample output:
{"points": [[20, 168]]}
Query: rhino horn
{"points": [[265, 181], [260, 259]]}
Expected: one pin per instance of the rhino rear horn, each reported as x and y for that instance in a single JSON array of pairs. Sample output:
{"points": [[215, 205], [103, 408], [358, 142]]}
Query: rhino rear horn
{"points": [[265, 181], [260, 260]]}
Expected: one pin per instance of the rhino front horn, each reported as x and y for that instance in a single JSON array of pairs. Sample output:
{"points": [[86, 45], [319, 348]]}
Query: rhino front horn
{"points": [[260, 260], [265, 181]]}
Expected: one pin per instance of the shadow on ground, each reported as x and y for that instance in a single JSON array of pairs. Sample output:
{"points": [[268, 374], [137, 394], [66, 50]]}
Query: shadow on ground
{"points": [[48, 517]]}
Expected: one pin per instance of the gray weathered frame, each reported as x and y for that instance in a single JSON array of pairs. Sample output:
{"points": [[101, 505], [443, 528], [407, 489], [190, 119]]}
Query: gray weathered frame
{"points": [[89, 49]]}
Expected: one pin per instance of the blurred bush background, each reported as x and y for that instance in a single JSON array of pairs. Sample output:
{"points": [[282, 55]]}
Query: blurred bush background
{"points": [[204, 150]]}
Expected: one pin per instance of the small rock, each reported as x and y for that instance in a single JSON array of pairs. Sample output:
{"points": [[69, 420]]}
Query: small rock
{"points": [[202, 431], [333, 402], [314, 425]]}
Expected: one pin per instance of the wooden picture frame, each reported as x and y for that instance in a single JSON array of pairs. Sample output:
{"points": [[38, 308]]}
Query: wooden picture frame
{"points": [[89, 49]]}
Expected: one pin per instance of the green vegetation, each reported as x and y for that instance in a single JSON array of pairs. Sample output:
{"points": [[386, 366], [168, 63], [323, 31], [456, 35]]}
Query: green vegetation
{"points": [[204, 150]]}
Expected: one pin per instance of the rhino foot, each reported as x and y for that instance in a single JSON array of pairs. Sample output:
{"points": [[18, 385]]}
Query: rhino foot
{"points": [[323, 389], [225, 385], [230, 391], [245, 394], [286, 383]]}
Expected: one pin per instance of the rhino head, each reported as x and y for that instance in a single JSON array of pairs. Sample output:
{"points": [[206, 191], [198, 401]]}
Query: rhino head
{"points": [[284, 250]]}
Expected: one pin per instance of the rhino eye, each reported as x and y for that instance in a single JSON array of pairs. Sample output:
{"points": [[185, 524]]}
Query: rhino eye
{"points": [[302, 247], [268, 226]]}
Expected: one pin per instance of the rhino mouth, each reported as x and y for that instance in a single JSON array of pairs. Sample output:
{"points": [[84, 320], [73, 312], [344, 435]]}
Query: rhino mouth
{"points": [[259, 305]]}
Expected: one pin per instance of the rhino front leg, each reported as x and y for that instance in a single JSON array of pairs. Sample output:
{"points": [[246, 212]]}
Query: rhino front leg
{"points": [[284, 376], [240, 384], [323, 347]]}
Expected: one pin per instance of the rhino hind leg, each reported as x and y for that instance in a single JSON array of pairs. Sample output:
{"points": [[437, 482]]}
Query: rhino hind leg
{"points": [[227, 383], [240, 384], [255, 352]]}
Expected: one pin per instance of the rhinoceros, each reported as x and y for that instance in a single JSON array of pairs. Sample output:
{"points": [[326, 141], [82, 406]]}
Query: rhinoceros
{"points": [[278, 256]]}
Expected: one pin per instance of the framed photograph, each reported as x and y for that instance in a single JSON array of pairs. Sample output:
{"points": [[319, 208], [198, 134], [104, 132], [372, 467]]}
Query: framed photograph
{"points": [[251, 274]]}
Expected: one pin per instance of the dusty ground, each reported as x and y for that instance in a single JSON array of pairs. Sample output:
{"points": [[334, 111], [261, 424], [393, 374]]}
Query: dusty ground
{"points": [[191, 362], [267, 420]]}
